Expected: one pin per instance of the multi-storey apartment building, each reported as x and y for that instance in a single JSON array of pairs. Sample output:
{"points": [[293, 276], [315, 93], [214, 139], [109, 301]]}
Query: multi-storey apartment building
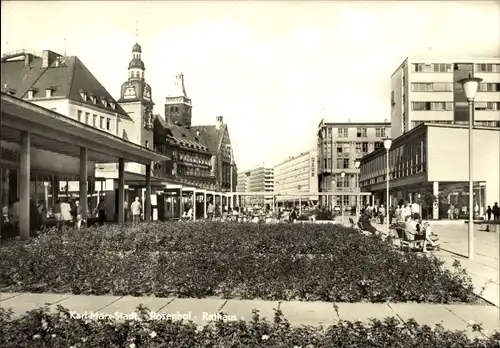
{"points": [[339, 146], [426, 90], [297, 174], [260, 179]]}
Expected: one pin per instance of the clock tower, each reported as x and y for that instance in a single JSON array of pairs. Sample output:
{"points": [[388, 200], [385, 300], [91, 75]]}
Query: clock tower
{"points": [[136, 100], [177, 104]]}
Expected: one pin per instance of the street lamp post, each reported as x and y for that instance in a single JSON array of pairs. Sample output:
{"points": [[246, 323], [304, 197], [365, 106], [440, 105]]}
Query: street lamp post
{"points": [[470, 86], [342, 175], [357, 164], [387, 146]]}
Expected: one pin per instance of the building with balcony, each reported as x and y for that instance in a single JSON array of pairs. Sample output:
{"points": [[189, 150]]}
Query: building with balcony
{"points": [[426, 90], [297, 174], [429, 165], [260, 179], [340, 144]]}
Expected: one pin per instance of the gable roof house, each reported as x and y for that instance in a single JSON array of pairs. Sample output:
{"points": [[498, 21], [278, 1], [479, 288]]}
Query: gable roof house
{"points": [[62, 84]]}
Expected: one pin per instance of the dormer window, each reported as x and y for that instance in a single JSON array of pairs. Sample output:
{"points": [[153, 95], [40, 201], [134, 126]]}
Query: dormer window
{"points": [[31, 94], [83, 95], [48, 92], [112, 105], [93, 99], [105, 103]]}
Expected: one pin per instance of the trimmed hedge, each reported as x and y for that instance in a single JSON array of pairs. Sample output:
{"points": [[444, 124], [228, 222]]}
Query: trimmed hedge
{"points": [[41, 329], [247, 261]]}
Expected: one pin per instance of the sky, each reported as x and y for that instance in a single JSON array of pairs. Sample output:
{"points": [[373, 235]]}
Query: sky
{"points": [[272, 69]]}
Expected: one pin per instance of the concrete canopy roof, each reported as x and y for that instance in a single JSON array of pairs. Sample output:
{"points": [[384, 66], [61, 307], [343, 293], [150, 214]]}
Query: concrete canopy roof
{"points": [[57, 133]]}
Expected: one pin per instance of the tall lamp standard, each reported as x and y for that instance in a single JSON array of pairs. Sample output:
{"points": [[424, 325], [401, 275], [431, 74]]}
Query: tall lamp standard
{"points": [[357, 164], [470, 85], [387, 146], [342, 175]]}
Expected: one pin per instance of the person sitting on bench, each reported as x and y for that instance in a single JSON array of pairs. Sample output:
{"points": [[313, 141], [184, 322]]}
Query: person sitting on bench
{"points": [[364, 219], [413, 228]]}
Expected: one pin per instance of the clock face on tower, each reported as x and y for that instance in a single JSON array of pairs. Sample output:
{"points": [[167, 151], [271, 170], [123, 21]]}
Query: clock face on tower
{"points": [[129, 92]]}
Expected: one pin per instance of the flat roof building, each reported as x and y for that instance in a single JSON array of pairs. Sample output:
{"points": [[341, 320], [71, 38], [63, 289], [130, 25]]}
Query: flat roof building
{"points": [[426, 90], [297, 174], [340, 144], [429, 165], [260, 179]]}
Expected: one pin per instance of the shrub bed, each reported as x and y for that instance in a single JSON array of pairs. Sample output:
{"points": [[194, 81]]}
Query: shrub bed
{"points": [[60, 330], [247, 261]]}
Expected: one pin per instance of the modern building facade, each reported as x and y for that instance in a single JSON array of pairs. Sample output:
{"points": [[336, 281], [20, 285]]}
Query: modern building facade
{"points": [[260, 179], [339, 146], [426, 90], [297, 174], [429, 165]]}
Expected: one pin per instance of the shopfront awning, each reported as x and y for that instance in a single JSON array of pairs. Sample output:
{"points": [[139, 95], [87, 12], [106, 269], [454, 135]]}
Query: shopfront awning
{"points": [[58, 133]]}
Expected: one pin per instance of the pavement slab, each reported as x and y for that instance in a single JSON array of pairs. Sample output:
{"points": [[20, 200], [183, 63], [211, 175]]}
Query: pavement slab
{"points": [[363, 311], [428, 314], [128, 304], [309, 313], [489, 316], [243, 308], [6, 295], [200, 311], [89, 303], [28, 301]]}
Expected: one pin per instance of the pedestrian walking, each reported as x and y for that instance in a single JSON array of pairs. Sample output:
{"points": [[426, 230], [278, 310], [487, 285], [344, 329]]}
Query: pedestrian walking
{"points": [[496, 211], [136, 209]]}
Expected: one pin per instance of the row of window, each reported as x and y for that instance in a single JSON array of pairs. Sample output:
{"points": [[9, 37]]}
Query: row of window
{"points": [[422, 67], [448, 106], [448, 87], [360, 132], [104, 122], [190, 171], [432, 87], [192, 158], [432, 106], [495, 124], [94, 100], [404, 160], [488, 106], [489, 87], [361, 147], [448, 68]]}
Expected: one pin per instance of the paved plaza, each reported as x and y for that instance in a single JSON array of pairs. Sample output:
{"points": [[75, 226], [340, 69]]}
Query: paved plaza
{"points": [[203, 311], [484, 268]]}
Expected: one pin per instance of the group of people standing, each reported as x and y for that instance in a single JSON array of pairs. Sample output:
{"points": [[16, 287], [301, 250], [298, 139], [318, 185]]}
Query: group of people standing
{"points": [[397, 213]]}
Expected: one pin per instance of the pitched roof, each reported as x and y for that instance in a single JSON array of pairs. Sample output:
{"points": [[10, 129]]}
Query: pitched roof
{"points": [[183, 136], [68, 77], [211, 136]]}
